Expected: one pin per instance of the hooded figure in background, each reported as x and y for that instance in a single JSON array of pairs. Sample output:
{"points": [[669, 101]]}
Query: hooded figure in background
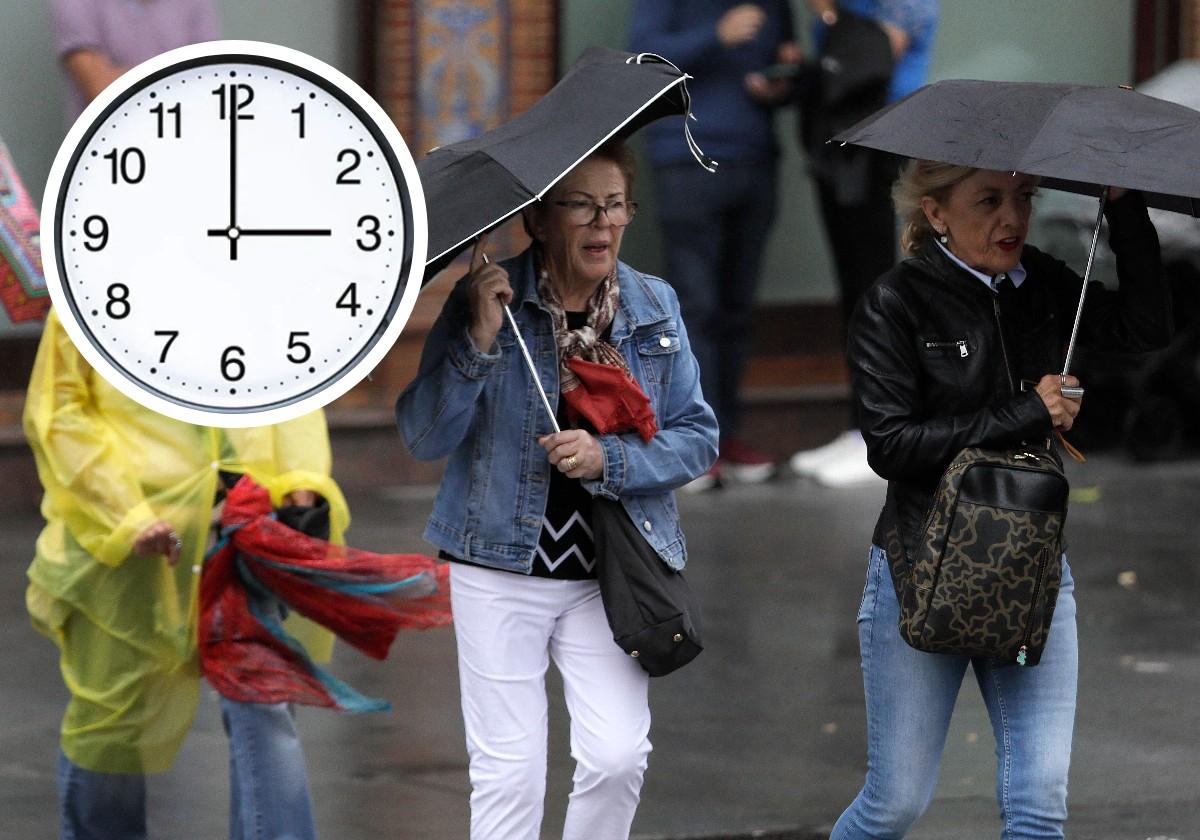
{"points": [[129, 501]]}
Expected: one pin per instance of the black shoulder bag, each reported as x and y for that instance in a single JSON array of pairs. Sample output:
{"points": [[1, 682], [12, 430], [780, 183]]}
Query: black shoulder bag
{"points": [[653, 613]]}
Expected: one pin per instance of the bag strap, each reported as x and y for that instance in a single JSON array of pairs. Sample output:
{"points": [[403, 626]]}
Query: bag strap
{"points": [[1069, 449]]}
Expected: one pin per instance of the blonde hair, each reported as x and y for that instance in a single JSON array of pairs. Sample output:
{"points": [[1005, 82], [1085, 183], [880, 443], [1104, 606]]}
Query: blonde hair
{"points": [[918, 179]]}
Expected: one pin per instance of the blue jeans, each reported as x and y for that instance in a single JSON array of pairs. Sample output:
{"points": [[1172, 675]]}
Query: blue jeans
{"points": [[267, 780], [910, 697]]}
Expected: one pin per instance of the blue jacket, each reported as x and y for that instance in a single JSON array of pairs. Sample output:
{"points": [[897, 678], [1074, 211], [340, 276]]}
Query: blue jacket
{"points": [[731, 126], [483, 411], [916, 18]]}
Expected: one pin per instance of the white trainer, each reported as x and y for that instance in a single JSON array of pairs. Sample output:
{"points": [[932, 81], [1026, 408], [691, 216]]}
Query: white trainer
{"points": [[847, 444], [850, 469]]}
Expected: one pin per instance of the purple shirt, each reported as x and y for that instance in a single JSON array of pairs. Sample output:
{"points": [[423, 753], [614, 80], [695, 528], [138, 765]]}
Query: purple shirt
{"points": [[128, 32]]}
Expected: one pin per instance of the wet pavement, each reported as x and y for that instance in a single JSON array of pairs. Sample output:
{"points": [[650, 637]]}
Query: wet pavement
{"points": [[765, 731]]}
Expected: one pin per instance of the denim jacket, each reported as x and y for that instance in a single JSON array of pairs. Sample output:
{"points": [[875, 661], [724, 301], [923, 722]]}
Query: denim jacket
{"points": [[483, 411]]}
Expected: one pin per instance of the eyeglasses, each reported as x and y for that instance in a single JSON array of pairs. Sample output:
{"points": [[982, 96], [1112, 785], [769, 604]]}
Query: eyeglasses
{"points": [[579, 212]]}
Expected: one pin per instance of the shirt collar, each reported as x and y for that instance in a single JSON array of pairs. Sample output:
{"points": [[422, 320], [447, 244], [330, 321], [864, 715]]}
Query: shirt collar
{"points": [[1017, 275]]}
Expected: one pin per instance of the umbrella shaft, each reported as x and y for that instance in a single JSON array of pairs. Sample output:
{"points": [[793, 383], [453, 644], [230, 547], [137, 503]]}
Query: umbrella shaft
{"points": [[532, 370], [1087, 274]]}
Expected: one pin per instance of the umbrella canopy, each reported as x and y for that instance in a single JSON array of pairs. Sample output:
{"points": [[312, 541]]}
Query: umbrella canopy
{"points": [[473, 185], [1179, 236], [22, 284], [1076, 137]]}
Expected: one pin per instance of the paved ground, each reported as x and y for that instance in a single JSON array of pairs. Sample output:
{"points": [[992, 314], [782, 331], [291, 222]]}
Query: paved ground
{"points": [[764, 731]]}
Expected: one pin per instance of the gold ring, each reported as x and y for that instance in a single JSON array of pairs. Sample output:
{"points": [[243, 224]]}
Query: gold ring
{"points": [[572, 462]]}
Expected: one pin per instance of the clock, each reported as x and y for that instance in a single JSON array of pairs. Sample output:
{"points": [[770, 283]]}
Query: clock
{"points": [[237, 234]]}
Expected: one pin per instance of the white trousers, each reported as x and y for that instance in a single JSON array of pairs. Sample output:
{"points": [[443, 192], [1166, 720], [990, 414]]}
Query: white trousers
{"points": [[508, 627]]}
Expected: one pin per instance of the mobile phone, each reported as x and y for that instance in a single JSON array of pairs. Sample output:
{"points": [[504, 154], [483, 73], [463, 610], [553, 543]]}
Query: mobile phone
{"points": [[781, 71]]}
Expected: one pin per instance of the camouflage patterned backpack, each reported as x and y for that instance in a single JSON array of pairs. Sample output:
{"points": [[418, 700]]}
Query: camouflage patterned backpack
{"points": [[985, 574]]}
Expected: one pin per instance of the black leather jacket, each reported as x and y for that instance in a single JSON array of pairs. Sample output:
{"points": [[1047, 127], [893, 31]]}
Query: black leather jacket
{"points": [[937, 359]]}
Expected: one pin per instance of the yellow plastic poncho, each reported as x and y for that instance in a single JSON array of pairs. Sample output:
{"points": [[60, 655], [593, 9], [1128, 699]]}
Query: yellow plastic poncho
{"points": [[126, 625]]}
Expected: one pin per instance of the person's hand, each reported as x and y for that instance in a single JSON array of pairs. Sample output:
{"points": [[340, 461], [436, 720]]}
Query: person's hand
{"points": [[576, 453], [159, 538], [300, 498], [790, 52], [824, 9], [898, 38], [488, 293], [1062, 409], [768, 91], [740, 24]]}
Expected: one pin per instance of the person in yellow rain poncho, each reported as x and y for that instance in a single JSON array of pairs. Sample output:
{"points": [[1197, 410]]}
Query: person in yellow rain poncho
{"points": [[128, 492]]}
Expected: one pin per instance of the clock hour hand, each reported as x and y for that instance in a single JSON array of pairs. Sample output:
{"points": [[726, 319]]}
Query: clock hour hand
{"points": [[286, 232], [235, 234]]}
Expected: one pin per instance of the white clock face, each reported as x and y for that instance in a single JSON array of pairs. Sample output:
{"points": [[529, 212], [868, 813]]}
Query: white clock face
{"points": [[238, 234]]}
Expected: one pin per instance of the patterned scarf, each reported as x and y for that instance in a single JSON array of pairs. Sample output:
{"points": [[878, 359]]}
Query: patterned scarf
{"points": [[584, 343]]}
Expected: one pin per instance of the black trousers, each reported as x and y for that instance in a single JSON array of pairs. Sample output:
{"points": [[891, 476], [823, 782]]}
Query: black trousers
{"points": [[862, 237], [714, 232]]}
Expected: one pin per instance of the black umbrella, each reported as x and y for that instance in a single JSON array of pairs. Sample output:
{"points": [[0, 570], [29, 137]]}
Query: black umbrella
{"points": [[1076, 137], [473, 185]]}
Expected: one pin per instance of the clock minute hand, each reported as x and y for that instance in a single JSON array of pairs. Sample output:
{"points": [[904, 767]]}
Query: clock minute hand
{"points": [[233, 121]]}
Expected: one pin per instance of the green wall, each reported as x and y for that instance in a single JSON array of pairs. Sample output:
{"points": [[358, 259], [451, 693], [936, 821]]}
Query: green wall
{"points": [[1088, 41], [1065, 40]]}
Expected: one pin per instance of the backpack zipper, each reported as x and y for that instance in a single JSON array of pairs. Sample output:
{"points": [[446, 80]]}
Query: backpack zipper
{"points": [[1037, 588], [939, 345]]}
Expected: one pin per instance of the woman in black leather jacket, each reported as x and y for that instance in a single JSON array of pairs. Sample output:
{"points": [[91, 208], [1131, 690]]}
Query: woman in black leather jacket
{"points": [[959, 345]]}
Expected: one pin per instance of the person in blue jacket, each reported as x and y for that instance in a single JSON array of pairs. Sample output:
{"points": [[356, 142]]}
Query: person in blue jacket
{"points": [[854, 186], [714, 227], [514, 509]]}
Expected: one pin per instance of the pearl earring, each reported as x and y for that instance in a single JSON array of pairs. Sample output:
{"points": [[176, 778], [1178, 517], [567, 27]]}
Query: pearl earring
{"points": [[942, 237]]}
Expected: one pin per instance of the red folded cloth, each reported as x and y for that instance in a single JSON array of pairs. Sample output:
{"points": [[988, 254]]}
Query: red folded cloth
{"points": [[610, 399]]}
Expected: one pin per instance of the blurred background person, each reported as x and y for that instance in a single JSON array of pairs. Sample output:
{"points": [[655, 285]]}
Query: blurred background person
{"points": [[98, 40], [514, 509], [126, 488], [715, 226], [128, 503], [868, 53]]}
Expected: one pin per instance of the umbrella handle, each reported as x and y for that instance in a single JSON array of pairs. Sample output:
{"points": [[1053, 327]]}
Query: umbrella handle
{"points": [[1076, 393], [529, 362]]}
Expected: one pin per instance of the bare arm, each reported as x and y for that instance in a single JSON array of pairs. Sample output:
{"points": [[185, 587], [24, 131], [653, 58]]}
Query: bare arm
{"points": [[92, 71], [898, 38]]}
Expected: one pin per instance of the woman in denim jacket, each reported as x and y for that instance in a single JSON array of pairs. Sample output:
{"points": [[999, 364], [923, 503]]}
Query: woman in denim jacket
{"points": [[514, 506]]}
